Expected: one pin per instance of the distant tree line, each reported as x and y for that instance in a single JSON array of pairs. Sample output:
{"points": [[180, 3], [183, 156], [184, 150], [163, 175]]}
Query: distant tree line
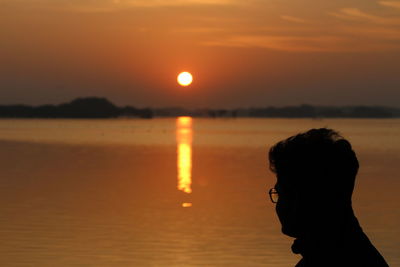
{"points": [[90, 107], [308, 111], [302, 111], [96, 107]]}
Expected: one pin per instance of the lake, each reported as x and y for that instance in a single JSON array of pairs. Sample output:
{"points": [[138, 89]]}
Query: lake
{"points": [[171, 192]]}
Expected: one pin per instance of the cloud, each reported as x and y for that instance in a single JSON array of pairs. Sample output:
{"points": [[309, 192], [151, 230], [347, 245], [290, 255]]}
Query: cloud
{"points": [[198, 30], [283, 43], [157, 3], [380, 34], [345, 42], [356, 14], [395, 4], [293, 19], [94, 6]]}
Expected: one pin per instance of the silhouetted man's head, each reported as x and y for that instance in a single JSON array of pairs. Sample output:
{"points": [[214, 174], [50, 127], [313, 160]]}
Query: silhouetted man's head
{"points": [[315, 173]]}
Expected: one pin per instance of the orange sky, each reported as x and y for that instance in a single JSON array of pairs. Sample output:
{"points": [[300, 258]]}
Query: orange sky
{"points": [[241, 53]]}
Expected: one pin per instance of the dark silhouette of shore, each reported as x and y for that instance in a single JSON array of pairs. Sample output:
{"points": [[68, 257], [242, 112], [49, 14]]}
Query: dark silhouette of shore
{"points": [[89, 107], [97, 107], [301, 111]]}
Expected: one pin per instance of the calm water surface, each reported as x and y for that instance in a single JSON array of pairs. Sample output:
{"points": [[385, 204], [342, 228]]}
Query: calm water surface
{"points": [[170, 192]]}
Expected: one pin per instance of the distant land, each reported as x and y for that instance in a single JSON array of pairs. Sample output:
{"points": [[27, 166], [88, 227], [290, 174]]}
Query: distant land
{"points": [[98, 107]]}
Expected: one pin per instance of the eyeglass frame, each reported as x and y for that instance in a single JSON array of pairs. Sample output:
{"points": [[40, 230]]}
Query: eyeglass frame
{"points": [[271, 192]]}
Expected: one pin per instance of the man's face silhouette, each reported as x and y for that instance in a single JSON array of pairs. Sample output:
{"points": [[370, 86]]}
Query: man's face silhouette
{"points": [[288, 210]]}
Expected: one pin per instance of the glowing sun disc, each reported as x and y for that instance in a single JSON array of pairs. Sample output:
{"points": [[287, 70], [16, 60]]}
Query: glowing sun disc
{"points": [[185, 78]]}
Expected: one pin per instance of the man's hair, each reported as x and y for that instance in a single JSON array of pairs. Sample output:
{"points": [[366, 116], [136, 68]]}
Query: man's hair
{"points": [[319, 159]]}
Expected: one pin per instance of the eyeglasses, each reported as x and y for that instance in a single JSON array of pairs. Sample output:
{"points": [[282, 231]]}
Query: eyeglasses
{"points": [[273, 195]]}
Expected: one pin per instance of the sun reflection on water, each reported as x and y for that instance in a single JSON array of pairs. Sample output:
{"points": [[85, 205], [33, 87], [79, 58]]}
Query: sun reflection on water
{"points": [[184, 161]]}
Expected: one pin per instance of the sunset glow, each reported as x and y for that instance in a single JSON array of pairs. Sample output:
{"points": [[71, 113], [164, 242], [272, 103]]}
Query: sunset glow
{"points": [[138, 132], [239, 53]]}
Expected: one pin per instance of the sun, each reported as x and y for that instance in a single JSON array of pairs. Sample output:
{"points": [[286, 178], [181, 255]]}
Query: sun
{"points": [[185, 78]]}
